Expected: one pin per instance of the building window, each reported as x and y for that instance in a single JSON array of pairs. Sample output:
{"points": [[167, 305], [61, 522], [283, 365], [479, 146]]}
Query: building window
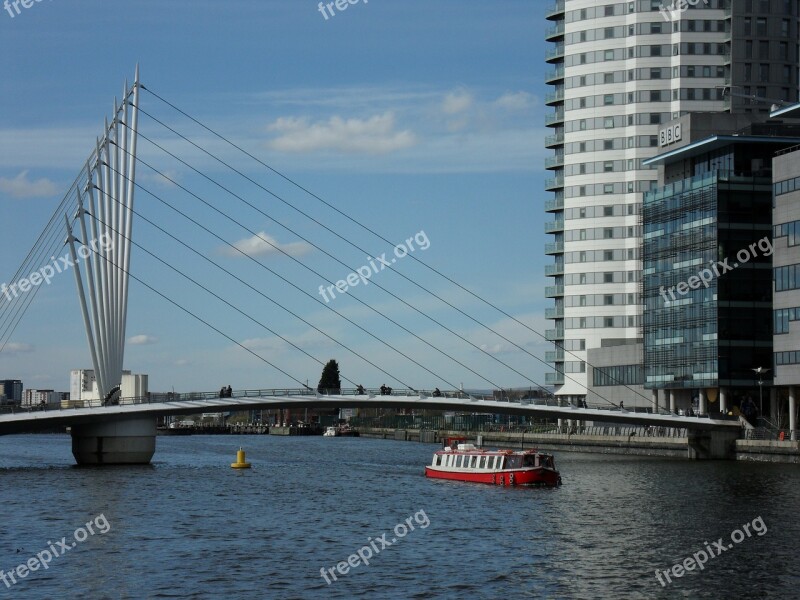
{"points": [[608, 188], [608, 122], [608, 166], [608, 99], [608, 277], [608, 211], [608, 77], [608, 55]]}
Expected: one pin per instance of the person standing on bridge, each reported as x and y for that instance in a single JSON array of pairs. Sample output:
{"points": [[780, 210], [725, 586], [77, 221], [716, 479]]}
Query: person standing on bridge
{"points": [[228, 392]]}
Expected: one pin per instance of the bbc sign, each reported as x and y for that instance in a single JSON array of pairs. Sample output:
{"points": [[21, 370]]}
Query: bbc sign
{"points": [[670, 135]]}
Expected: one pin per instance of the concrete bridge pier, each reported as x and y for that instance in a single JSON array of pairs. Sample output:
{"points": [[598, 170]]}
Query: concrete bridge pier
{"points": [[712, 444], [121, 442]]}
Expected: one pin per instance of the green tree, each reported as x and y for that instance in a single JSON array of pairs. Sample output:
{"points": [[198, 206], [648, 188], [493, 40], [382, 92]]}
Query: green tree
{"points": [[330, 382]]}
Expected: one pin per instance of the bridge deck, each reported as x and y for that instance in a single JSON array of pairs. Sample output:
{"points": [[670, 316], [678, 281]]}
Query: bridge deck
{"points": [[293, 399]]}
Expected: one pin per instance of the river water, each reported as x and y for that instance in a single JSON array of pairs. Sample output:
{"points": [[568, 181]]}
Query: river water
{"points": [[189, 526]]}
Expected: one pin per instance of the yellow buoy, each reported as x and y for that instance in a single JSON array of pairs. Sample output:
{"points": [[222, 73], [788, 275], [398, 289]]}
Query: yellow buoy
{"points": [[240, 462]]}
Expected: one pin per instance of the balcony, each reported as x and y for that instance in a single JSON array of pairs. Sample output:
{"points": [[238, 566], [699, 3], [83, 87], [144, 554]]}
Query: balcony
{"points": [[554, 32], [554, 205], [554, 118], [553, 183], [554, 97], [553, 291], [555, 53], [551, 141], [552, 270], [554, 248], [554, 162], [554, 74], [554, 356], [553, 335], [554, 10], [554, 226], [555, 313], [554, 378]]}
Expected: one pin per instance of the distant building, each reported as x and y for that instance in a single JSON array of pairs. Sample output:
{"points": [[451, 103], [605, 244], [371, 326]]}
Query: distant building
{"points": [[83, 386], [12, 390], [32, 397]]}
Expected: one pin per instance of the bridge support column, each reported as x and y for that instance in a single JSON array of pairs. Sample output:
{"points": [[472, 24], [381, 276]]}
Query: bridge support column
{"points": [[654, 402], [702, 404], [712, 444], [723, 400], [672, 401], [123, 442], [793, 412]]}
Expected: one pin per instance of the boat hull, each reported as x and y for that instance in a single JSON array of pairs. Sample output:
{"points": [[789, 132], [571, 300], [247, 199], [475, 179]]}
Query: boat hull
{"points": [[536, 476]]}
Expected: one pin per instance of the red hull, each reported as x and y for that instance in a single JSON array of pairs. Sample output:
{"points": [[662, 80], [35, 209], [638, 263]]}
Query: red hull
{"points": [[535, 476]]}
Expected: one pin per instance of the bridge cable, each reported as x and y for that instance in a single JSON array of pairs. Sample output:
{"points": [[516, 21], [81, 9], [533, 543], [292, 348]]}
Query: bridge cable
{"points": [[366, 228], [142, 136], [314, 298], [220, 267]]}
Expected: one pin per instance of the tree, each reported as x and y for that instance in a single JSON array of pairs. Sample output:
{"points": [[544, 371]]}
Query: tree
{"points": [[330, 382]]}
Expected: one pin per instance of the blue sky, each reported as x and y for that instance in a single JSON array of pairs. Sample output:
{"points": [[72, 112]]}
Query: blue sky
{"points": [[409, 116]]}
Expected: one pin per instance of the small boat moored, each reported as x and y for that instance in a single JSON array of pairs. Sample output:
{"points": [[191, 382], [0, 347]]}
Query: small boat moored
{"points": [[466, 462]]}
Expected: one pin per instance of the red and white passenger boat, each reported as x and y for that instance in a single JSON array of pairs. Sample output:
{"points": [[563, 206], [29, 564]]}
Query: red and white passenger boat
{"points": [[465, 462]]}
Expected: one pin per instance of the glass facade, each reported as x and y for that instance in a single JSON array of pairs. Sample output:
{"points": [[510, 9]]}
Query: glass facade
{"points": [[707, 281]]}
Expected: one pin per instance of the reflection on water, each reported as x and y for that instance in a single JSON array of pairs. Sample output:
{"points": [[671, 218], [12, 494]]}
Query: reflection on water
{"points": [[189, 526]]}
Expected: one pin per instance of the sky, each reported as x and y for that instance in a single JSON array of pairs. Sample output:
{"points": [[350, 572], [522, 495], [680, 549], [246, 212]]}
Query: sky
{"points": [[418, 119]]}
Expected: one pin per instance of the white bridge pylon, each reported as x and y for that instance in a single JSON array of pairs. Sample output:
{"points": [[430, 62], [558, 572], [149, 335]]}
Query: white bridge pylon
{"points": [[106, 202]]}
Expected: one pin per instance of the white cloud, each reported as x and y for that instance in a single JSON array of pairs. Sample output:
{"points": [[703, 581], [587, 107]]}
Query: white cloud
{"points": [[142, 340], [264, 244], [182, 362], [515, 101], [22, 187], [375, 135], [457, 102], [16, 348]]}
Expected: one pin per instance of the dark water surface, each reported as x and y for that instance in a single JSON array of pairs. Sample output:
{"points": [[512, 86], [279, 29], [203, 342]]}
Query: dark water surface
{"points": [[189, 526]]}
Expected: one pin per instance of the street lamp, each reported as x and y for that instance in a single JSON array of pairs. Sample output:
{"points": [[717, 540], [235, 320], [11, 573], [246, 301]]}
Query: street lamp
{"points": [[760, 372]]}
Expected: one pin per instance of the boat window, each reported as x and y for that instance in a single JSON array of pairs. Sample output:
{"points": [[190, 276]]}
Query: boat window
{"points": [[530, 460], [482, 463], [513, 462], [493, 462], [460, 461], [437, 461], [473, 462]]}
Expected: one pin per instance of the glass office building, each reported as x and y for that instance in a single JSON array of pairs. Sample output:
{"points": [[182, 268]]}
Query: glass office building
{"points": [[707, 260]]}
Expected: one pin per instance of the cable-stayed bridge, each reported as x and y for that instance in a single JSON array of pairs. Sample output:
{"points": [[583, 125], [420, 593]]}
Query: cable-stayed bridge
{"points": [[247, 400], [100, 206]]}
